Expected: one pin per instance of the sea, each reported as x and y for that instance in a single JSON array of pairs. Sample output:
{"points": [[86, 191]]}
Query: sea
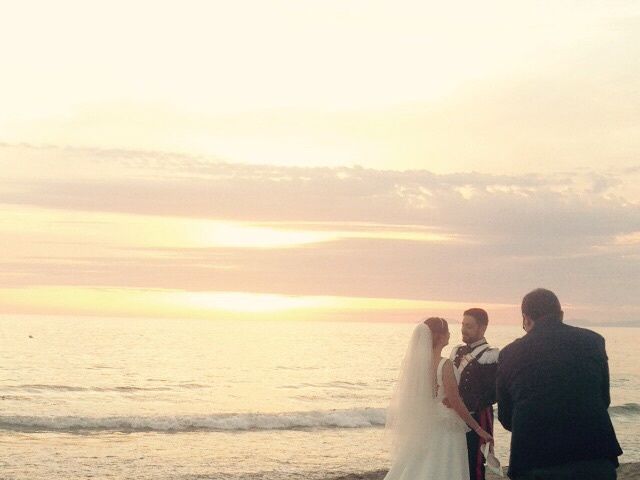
{"points": [[186, 399]]}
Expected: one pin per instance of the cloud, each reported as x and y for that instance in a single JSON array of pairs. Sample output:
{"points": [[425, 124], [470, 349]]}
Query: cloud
{"points": [[571, 231], [574, 106], [564, 207]]}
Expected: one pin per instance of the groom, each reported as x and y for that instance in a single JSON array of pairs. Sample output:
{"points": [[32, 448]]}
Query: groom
{"points": [[477, 364]]}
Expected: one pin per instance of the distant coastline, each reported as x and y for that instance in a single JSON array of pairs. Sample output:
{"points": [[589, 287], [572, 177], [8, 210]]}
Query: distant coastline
{"points": [[581, 322]]}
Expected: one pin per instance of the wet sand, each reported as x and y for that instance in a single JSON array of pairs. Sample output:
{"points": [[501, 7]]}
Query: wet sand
{"points": [[626, 471]]}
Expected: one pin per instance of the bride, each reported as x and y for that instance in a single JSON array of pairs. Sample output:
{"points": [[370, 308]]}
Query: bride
{"points": [[428, 438]]}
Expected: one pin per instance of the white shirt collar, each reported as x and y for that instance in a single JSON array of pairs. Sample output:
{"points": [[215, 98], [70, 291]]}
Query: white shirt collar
{"points": [[478, 343]]}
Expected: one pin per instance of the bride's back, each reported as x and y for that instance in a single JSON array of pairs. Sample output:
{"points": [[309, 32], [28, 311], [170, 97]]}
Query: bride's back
{"points": [[440, 394]]}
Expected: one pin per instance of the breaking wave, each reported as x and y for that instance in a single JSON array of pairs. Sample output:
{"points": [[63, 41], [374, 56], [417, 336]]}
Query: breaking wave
{"points": [[316, 419], [349, 418]]}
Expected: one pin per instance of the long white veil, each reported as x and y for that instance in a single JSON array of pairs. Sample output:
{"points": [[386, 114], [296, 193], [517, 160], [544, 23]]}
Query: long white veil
{"points": [[412, 409]]}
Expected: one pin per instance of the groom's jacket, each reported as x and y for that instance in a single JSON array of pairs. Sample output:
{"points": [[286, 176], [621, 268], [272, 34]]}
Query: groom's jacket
{"points": [[553, 395], [477, 383]]}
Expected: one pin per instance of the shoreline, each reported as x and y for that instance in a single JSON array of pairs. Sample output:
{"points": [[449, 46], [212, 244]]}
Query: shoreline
{"points": [[626, 471]]}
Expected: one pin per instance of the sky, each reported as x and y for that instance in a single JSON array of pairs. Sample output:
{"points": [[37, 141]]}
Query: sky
{"points": [[350, 160]]}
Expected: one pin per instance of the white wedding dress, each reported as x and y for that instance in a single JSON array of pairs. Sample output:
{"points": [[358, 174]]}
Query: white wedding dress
{"points": [[429, 438]]}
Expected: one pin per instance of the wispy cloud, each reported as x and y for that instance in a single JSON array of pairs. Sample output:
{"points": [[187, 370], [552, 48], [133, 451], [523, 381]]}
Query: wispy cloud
{"points": [[184, 223], [501, 88]]}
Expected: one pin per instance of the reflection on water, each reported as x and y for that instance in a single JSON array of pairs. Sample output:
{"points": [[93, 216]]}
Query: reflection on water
{"points": [[187, 397]]}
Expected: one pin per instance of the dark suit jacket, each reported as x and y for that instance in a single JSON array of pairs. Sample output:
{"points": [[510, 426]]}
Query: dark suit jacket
{"points": [[553, 395], [478, 380]]}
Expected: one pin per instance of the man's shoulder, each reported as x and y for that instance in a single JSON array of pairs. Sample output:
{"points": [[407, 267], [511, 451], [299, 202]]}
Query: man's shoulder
{"points": [[584, 334], [510, 349], [489, 356]]}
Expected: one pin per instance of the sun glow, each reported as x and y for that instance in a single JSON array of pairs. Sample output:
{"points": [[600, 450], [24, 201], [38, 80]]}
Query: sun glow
{"points": [[106, 301], [33, 231], [243, 302], [628, 239], [237, 235], [164, 303]]}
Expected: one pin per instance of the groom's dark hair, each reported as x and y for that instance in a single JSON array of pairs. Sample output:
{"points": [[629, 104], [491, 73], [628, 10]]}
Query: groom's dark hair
{"points": [[542, 304], [481, 316]]}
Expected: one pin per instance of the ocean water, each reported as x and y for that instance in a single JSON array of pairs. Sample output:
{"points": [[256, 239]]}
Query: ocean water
{"points": [[196, 399]]}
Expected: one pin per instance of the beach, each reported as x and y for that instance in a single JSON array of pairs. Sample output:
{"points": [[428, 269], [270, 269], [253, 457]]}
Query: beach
{"points": [[626, 471]]}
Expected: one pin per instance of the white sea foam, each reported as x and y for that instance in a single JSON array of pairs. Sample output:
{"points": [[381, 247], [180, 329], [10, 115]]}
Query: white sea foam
{"points": [[348, 418]]}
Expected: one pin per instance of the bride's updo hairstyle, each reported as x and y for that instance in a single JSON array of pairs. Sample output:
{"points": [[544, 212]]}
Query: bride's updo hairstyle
{"points": [[438, 327]]}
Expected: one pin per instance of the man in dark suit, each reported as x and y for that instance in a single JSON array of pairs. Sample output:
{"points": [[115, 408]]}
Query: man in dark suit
{"points": [[553, 395]]}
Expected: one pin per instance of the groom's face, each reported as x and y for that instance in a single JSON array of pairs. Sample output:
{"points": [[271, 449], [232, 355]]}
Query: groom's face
{"points": [[471, 330]]}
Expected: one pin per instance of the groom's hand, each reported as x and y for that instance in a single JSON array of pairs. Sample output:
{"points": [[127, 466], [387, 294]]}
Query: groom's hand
{"points": [[446, 403]]}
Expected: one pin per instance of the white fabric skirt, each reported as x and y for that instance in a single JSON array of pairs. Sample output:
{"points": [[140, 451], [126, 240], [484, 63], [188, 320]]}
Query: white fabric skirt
{"points": [[442, 457]]}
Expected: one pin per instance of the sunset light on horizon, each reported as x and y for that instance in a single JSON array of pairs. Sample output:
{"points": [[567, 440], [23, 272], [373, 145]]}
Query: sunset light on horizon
{"points": [[347, 159]]}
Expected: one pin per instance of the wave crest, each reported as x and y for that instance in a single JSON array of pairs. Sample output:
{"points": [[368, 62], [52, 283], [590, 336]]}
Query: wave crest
{"points": [[349, 418], [346, 418]]}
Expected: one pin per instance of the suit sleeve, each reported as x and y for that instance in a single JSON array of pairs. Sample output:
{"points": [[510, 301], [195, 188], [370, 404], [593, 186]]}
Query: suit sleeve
{"points": [[488, 364], [606, 395], [490, 376], [505, 406]]}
